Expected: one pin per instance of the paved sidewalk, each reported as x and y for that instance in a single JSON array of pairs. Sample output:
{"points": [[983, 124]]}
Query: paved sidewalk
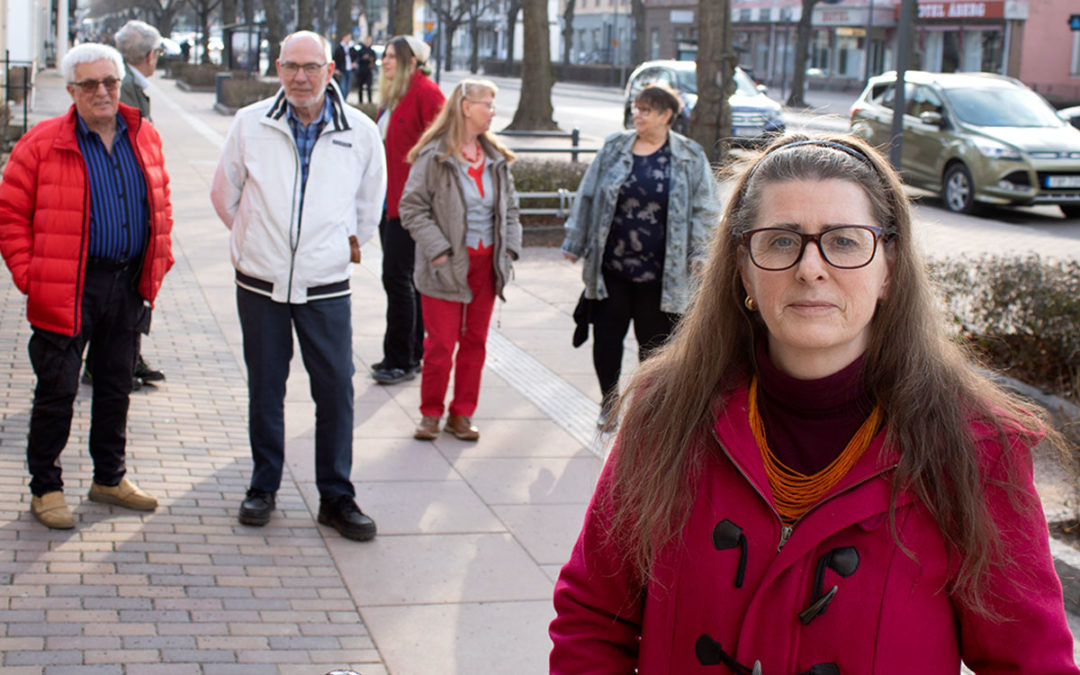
{"points": [[471, 534]]}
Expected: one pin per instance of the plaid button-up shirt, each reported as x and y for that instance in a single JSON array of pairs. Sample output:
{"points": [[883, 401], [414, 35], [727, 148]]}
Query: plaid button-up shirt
{"points": [[305, 136]]}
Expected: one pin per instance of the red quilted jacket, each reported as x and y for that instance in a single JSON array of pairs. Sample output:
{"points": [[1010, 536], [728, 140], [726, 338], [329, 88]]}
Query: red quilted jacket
{"points": [[45, 218], [410, 118]]}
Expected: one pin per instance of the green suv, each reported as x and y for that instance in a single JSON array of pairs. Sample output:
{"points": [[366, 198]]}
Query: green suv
{"points": [[975, 137]]}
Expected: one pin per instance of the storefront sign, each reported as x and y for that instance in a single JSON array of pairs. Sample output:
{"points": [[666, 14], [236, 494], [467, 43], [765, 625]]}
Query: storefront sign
{"points": [[959, 9]]}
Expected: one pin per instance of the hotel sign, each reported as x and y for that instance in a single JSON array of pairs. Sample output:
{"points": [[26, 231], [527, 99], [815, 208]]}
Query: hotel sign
{"points": [[961, 9]]}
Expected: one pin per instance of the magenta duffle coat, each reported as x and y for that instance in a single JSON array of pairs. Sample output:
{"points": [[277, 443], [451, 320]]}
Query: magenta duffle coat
{"points": [[889, 613]]}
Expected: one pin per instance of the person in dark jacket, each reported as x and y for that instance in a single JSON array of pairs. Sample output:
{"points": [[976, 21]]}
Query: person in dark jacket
{"points": [[344, 67], [140, 45], [364, 57], [85, 222]]}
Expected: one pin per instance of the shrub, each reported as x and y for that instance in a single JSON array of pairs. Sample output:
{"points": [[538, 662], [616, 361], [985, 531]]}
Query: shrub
{"points": [[237, 93], [544, 175], [201, 76], [1022, 313]]}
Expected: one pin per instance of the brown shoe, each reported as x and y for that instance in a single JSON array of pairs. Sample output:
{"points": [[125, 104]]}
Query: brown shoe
{"points": [[462, 428], [428, 429], [51, 509], [125, 494]]}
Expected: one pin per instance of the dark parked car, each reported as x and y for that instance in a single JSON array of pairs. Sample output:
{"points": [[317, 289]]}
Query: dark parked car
{"points": [[755, 117], [976, 137]]}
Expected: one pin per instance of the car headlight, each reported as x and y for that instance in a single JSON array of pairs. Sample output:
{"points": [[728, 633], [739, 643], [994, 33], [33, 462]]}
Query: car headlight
{"points": [[994, 149]]}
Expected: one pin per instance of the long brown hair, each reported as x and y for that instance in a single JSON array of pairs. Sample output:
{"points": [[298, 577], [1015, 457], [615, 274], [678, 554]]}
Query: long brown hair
{"points": [[450, 122], [392, 89], [922, 378]]}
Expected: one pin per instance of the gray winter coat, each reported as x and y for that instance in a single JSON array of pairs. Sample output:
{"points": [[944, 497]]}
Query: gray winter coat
{"points": [[433, 211], [693, 212]]}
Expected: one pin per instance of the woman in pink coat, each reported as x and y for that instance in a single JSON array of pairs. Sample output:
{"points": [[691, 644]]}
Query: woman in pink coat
{"points": [[810, 478]]}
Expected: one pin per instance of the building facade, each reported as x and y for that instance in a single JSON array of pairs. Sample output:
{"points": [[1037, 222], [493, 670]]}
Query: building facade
{"points": [[854, 39]]}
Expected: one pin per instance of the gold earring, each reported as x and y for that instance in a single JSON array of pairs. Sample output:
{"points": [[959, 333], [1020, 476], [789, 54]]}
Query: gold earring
{"points": [[750, 304]]}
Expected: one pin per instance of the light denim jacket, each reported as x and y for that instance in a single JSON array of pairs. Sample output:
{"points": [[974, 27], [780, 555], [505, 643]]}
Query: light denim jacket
{"points": [[693, 212]]}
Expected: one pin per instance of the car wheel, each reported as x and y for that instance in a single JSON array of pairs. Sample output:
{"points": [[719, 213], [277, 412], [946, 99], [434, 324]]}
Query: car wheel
{"points": [[957, 190], [628, 118], [1071, 211]]}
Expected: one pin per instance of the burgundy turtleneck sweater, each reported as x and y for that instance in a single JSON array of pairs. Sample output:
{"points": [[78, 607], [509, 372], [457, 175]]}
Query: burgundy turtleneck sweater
{"points": [[809, 422]]}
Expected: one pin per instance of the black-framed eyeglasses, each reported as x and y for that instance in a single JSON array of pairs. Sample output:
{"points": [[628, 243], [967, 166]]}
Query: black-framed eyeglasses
{"points": [[846, 247], [310, 69], [91, 86]]}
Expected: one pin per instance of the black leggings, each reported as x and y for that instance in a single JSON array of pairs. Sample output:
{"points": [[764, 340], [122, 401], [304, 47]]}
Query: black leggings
{"points": [[626, 301]]}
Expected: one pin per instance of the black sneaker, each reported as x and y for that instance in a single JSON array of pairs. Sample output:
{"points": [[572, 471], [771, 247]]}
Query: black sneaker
{"points": [[146, 373], [256, 508], [342, 514], [393, 375]]}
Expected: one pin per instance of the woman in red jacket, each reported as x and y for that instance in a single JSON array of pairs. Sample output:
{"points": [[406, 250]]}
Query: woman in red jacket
{"points": [[409, 102], [810, 477]]}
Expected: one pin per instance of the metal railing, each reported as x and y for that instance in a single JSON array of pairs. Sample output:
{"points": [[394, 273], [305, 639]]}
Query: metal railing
{"points": [[566, 202], [574, 136]]}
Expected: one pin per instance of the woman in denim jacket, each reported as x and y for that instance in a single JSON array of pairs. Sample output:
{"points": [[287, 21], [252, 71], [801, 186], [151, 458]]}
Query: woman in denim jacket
{"points": [[643, 214]]}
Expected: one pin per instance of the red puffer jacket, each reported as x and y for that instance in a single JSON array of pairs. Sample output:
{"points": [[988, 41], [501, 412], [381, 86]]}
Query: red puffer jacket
{"points": [[45, 218], [409, 119]]}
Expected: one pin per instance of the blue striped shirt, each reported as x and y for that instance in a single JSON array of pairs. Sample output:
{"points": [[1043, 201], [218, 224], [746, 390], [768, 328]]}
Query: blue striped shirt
{"points": [[305, 136], [119, 216]]}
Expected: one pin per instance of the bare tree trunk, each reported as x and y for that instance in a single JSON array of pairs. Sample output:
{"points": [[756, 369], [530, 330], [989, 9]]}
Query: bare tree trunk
{"points": [[802, 46], [513, 8], [474, 42], [534, 105], [228, 12], [403, 18], [343, 17], [305, 19], [275, 32], [568, 31], [710, 122], [637, 42]]}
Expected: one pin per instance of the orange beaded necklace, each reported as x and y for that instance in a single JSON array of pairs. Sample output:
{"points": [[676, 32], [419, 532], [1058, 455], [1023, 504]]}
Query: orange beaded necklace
{"points": [[794, 492]]}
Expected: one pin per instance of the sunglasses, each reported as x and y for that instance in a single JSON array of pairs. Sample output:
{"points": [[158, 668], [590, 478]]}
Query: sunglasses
{"points": [[91, 86]]}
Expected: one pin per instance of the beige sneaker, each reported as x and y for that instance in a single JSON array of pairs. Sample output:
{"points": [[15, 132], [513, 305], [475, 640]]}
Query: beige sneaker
{"points": [[51, 509], [125, 494], [462, 428], [428, 429]]}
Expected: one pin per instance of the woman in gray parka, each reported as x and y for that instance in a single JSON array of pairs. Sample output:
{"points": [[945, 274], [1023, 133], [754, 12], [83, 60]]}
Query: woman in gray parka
{"points": [[460, 207], [642, 219]]}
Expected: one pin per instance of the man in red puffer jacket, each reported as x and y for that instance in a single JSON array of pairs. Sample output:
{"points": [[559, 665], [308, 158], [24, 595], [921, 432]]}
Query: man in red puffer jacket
{"points": [[85, 219]]}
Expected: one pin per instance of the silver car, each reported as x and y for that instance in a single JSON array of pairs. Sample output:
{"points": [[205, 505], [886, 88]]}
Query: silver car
{"points": [[755, 117]]}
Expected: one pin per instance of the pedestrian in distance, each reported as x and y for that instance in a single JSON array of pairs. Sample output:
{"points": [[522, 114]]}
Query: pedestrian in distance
{"points": [[811, 476], [460, 207], [644, 212], [140, 45], [408, 102], [344, 67], [85, 222], [364, 57], [299, 183]]}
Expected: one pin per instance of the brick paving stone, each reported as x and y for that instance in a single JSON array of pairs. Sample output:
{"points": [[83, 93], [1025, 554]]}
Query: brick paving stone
{"points": [[164, 669], [120, 629], [43, 658], [103, 669], [159, 642], [121, 656], [200, 655]]}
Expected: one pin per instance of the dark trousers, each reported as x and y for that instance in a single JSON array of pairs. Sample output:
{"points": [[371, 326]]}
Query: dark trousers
{"points": [[403, 344], [112, 314], [324, 331], [626, 301], [363, 81]]}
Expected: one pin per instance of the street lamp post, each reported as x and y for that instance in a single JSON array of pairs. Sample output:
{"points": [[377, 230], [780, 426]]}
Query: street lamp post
{"points": [[869, 42]]}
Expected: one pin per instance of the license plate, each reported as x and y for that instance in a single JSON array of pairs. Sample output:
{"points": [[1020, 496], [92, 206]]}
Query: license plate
{"points": [[752, 132], [1063, 181]]}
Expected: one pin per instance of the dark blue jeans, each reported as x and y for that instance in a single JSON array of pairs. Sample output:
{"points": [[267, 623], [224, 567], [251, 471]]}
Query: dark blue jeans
{"points": [[113, 312], [324, 331]]}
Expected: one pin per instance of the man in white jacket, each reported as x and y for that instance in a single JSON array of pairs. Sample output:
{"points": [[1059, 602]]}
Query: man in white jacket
{"points": [[300, 183]]}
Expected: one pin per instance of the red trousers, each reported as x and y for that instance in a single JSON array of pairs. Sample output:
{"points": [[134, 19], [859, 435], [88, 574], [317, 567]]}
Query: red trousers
{"points": [[449, 324]]}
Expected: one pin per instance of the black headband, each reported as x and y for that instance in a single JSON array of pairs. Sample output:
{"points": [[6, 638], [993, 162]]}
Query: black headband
{"points": [[828, 144]]}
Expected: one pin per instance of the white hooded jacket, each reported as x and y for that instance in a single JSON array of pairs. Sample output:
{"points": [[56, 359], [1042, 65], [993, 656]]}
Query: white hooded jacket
{"points": [[278, 250]]}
